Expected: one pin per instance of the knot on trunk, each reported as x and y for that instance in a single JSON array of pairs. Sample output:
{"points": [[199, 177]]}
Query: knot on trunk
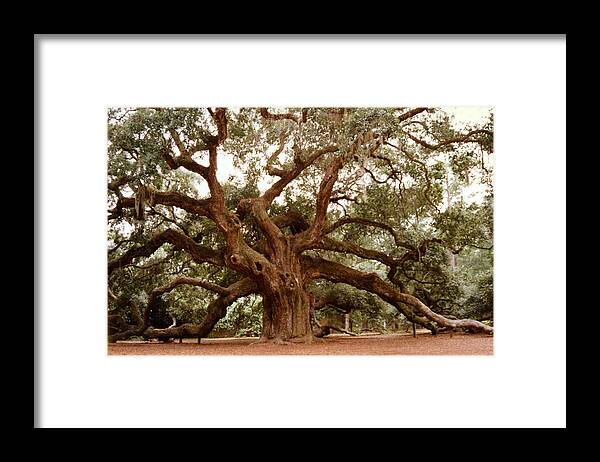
{"points": [[235, 221], [244, 207], [289, 280], [236, 259], [257, 267]]}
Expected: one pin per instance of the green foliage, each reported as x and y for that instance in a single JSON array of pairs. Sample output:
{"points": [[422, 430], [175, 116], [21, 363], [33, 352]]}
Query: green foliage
{"points": [[480, 304], [406, 186], [244, 317], [367, 311], [463, 225]]}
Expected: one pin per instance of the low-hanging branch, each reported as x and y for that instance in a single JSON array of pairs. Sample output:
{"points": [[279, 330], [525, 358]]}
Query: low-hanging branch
{"points": [[180, 280], [393, 264], [274, 266], [408, 305], [216, 310]]}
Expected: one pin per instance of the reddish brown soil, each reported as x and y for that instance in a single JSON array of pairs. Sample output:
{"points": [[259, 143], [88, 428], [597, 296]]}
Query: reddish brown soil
{"points": [[397, 344]]}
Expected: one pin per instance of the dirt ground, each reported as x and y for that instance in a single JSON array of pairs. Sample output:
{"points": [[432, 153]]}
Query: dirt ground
{"points": [[396, 344]]}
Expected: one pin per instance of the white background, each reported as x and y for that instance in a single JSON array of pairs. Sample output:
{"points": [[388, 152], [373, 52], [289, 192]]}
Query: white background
{"points": [[522, 385]]}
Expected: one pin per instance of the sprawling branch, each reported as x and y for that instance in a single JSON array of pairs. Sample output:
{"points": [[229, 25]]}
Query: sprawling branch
{"points": [[184, 280], [181, 280], [410, 306], [217, 309], [265, 114], [362, 221], [189, 204], [349, 247], [125, 330], [414, 254], [186, 162], [413, 112], [458, 139], [198, 252]]}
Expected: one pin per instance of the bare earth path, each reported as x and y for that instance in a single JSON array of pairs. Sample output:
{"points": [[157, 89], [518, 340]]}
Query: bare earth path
{"points": [[396, 344]]}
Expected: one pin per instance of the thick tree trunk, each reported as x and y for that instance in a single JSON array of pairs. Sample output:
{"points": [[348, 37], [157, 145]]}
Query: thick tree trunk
{"points": [[279, 277], [286, 314]]}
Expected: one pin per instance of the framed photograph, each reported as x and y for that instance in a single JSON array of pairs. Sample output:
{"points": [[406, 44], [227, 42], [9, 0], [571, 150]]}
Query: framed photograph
{"points": [[296, 224]]}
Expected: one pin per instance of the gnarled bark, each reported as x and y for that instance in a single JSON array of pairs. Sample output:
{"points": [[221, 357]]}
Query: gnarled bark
{"points": [[276, 267], [217, 309], [415, 310]]}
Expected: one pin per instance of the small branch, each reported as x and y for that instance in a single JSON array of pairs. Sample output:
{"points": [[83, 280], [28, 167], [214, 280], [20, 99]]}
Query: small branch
{"points": [[372, 142], [277, 188], [119, 244], [425, 172], [459, 139], [265, 114], [220, 118], [407, 115], [362, 221], [175, 137], [478, 247], [186, 162], [273, 157], [375, 179], [116, 184], [197, 206], [122, 116], [343, 197], [198, 253], [153, 211]]}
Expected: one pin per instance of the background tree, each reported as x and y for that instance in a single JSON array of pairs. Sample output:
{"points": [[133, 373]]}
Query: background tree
{"points": [[372, 198]]}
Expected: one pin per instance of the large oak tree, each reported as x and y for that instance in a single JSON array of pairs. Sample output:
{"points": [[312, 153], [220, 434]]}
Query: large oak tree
{"points": [[317, 192]]}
